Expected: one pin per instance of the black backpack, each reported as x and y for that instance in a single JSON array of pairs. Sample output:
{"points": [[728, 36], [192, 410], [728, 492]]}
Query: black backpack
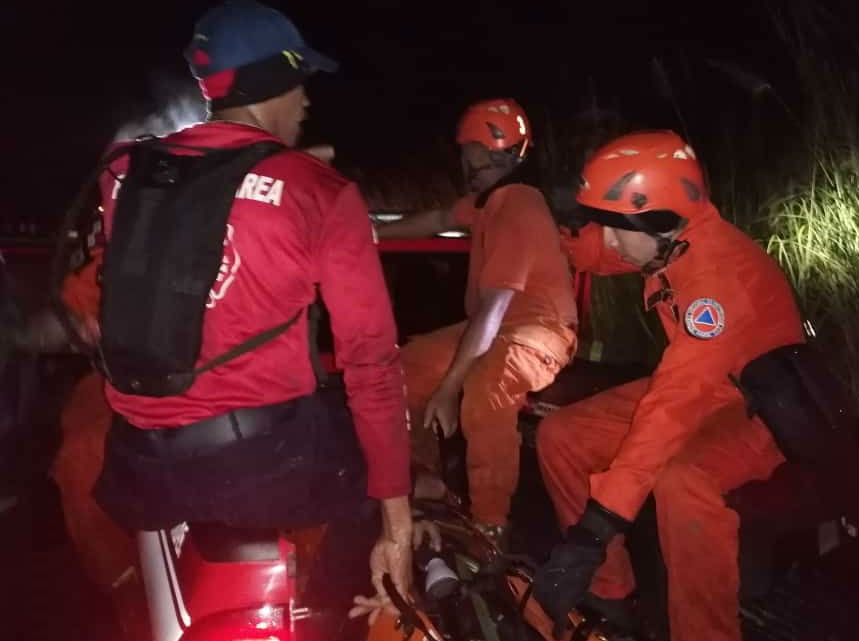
{"points": [[164, 254]]}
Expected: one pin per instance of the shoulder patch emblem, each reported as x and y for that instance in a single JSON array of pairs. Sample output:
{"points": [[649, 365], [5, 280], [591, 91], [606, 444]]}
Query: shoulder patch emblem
{"points": [[705, 318]]}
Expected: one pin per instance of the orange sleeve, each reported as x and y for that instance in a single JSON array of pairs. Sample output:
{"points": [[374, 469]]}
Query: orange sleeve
{"points": [[81, 289], [511, 242], [587, 253], [365, 342], [688, 383], [81, 292], [462, 212]]}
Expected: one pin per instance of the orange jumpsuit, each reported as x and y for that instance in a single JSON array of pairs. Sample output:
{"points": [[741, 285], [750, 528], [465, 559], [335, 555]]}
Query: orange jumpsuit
{"points": [[515, 245], [106, 551], [683, 433]]}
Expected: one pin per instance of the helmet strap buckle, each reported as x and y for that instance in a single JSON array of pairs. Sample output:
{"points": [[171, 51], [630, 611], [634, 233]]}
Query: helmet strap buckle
{"points": [[668, 250]]}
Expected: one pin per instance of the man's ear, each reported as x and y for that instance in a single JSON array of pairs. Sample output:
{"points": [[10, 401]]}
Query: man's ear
{"points": [[325, 153]]}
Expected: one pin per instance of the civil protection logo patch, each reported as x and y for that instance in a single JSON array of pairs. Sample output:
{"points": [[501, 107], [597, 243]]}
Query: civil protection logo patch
{"points": [[705, 318]]}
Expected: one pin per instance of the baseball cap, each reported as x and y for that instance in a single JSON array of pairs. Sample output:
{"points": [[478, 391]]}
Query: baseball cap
{"points": [[243, 52]]}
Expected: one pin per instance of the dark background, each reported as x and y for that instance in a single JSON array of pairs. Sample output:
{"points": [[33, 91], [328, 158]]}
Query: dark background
{"points": [[75, 72]]}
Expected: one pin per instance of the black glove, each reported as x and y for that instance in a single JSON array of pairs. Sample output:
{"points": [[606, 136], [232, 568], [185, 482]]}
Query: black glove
{"points": [[562, 582]]}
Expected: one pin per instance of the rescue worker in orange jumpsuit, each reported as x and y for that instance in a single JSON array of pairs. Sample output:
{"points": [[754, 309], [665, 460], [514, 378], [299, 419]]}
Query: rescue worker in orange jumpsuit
{"points": [[683, 433], [106, 551], [520, 304]]}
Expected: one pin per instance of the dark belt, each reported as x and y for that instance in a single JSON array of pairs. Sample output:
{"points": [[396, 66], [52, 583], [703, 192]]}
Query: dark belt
{"points": [[207, 434]]}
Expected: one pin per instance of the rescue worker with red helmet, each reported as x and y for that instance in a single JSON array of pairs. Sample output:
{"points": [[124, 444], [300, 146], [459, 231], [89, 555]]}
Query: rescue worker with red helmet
{"points": [[519, 301], [683, 433]]}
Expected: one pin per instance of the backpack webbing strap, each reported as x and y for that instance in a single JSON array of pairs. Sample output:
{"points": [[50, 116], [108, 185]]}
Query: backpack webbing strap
{"points": [[250, 344]]}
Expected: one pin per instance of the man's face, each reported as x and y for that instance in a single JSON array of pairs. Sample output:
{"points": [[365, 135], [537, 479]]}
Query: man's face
{"points": [[287, 111], [634, 247], [477, 167]]}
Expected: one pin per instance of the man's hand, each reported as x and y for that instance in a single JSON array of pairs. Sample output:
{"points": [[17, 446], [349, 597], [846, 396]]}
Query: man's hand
{"points": [[426, 529], [90, 330], [387, 557], [443, 407], [44, 333], [392, 555], [481, 330], [561, 583]]}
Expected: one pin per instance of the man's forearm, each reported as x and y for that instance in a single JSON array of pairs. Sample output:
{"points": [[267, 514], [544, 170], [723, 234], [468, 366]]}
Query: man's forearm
{"points": [[481, 331], [396, 518], [43, 333], [420, 225]]}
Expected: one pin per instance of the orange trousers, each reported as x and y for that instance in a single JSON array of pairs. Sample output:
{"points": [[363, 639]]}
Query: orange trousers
{"points": [[494, 391], [107, 553], [698, 533]]}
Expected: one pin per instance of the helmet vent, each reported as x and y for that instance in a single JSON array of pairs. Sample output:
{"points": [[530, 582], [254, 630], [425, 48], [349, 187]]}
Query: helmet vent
{"points": [[496, 132], [615, 192], [639, 200], [692, 190]]}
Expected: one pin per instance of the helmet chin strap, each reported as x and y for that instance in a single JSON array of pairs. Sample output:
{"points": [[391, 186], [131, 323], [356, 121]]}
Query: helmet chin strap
{"points": [[667, 250], [472, 172], [497, 160]]}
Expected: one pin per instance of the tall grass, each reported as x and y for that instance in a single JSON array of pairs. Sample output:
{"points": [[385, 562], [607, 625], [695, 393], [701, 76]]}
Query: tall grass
{"points": [[814, 235], [809, 219]]}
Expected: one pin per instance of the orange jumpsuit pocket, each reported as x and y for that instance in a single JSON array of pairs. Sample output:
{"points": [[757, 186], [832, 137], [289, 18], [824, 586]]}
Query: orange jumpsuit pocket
{"points": [[493, 393], [507, 372]]}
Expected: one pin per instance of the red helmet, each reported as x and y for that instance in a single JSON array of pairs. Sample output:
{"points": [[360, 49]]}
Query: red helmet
{"points": [[496, 124], [646, 171]]}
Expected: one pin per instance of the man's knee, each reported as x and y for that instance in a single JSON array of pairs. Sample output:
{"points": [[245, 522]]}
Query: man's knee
{"points": [[684, 485], [552, 435], [484, 412], [675, 480]]}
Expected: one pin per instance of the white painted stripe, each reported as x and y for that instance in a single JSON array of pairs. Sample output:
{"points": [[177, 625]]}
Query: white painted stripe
{"points": [[158, 581], [177, 589]]}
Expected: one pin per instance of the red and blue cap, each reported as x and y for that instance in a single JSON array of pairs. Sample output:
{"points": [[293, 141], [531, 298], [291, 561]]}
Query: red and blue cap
{"points": [[244, 52]]}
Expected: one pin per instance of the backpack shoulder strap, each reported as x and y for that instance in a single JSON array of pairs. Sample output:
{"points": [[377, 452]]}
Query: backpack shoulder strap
{"points": [[70, 222], [74, 211]]}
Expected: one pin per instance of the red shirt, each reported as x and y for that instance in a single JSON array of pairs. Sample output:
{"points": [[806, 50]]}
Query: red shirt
{"points": [[295, 222]]}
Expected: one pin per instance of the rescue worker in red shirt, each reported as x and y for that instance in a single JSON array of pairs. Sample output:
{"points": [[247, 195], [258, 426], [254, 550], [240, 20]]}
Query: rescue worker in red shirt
{"points": [[520, 304], [107, 552], [294, 223], [683, 433]]}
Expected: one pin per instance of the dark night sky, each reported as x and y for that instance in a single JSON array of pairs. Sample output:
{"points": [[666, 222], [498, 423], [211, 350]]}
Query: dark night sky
{"points": [[74, 73]]}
